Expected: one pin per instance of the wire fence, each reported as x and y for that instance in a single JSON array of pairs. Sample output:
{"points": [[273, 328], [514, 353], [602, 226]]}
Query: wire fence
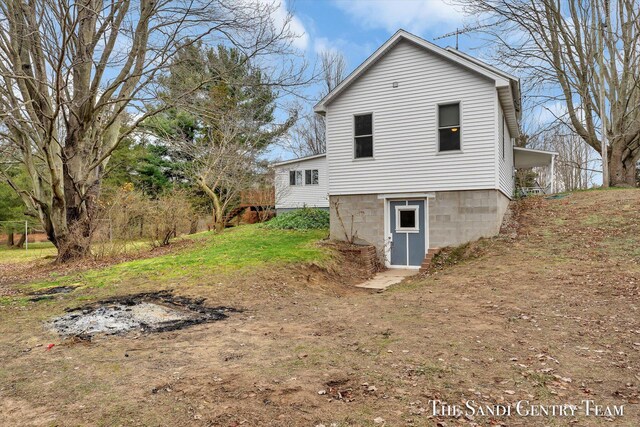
{"points": [[19, 227]]}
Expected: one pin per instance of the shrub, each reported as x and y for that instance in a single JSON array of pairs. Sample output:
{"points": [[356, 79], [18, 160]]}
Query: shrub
{"points": [[127, 216], [300, 219]]}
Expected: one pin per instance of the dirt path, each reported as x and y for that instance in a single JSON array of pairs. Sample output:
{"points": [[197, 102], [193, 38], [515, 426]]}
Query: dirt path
{"points": [[549, 317]]}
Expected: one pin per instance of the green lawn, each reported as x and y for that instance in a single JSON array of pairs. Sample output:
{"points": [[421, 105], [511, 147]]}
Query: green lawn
{"points": [[232, 250], [35, 251]]}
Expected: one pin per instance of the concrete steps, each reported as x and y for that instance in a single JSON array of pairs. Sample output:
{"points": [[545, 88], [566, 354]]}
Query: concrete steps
{"points": [[428, 258]]}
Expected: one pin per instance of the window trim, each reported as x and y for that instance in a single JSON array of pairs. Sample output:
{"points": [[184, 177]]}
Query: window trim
{"points": [[296, 183], [504, 136], [353, 137], [416, 210], [317, 171], [460, 125]]}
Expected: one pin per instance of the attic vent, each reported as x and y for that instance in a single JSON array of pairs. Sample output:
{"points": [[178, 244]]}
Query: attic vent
{"points": [[394, 84]]}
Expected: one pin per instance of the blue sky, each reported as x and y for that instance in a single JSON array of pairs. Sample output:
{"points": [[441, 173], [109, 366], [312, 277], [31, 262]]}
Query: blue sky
{"points": [[358, 27]]}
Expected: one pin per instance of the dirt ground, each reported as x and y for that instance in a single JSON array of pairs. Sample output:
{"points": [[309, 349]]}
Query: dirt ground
{"points": [[547, 315]]}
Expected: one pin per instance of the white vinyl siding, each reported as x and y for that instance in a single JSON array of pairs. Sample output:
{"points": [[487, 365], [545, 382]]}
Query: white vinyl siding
{"points": [[505, 160], [298, 196], [406, 127]]}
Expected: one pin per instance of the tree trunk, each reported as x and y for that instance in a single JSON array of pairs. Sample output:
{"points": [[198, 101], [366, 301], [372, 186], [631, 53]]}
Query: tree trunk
{"points": [[10, 238], [218, 211], [71, 229], [21, 241], [622, 167], [193, 227]]}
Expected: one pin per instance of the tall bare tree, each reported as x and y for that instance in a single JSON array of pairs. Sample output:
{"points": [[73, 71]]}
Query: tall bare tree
{"points": [[577, 52], [308, 135], [78, 76]]}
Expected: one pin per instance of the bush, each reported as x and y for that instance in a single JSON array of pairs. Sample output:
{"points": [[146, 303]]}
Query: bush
{"points": [[127, 216], [300, 219]]}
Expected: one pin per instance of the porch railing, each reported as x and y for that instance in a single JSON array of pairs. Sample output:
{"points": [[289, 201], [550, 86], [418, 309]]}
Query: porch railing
{"points": [[534, 191]]}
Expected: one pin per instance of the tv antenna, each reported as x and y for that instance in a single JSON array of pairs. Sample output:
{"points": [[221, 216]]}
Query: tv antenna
{"points": [[464, 30]]}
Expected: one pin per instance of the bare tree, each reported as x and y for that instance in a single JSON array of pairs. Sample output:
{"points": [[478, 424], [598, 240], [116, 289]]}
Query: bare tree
{"points": [[584, 54], [79, 76], [333, 68], [575, 165], [308, 135], [223, 162]]}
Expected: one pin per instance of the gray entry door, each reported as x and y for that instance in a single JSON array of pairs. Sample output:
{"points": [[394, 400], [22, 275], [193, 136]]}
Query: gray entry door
{"points": [[407, 226]]}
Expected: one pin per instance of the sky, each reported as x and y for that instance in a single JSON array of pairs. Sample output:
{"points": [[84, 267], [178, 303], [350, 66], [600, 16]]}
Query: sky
{"points": [[356, 28]]}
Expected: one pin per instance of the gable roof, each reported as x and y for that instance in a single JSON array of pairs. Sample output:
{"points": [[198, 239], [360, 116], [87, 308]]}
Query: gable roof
{"points": [[508, 85], [300, 159]]}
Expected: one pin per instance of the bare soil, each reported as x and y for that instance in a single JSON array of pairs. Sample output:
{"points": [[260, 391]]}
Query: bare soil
{"points": [[547, 312]]}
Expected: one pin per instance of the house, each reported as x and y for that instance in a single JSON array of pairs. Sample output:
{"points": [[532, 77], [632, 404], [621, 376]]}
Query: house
{"points": [[420, 150], [302, 183]]}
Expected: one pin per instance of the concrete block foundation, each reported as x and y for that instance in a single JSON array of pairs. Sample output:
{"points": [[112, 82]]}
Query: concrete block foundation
{"points": [[455, 217]]}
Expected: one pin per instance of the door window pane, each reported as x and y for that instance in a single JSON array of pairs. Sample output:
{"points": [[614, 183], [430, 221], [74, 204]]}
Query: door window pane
{"points": [[408, 218]]}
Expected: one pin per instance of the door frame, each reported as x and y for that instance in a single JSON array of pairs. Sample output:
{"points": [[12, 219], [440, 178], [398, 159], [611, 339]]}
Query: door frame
{"points": [[387, 228]]}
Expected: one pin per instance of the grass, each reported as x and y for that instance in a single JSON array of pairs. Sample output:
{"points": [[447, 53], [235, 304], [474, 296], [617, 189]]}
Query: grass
{"points": [[35, 251], [232, 250], [40, 250]]}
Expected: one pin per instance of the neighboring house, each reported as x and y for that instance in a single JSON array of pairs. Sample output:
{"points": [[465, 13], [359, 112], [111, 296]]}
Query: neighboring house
{"points": [[302, 182], [420, 149]]}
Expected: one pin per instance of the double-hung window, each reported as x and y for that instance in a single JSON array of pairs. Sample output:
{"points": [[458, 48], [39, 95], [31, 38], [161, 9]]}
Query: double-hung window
{"points": [[363, 136], [504, 136], [295, 177], [311, 177], [449, 127]]}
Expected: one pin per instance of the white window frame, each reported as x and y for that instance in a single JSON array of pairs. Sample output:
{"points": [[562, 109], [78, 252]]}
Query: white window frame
{"points": [[373, 141], [312, 171], [297, 173], [416, 210], [504, 137], [460, 126]]}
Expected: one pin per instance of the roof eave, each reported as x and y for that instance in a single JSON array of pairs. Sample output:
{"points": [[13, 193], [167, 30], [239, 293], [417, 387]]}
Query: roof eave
{"points": [[500, 78], [300, 159]]}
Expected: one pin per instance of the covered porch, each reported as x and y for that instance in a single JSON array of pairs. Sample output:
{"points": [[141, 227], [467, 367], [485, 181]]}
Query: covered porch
{"points": [[544, 161]]}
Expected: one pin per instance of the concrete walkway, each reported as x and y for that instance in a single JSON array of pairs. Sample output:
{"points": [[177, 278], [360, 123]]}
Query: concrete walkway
{"points": [[384, 279]]}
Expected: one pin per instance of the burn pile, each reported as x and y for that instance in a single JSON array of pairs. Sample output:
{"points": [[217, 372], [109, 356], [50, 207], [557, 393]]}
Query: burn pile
{"points": [[146, 312]]}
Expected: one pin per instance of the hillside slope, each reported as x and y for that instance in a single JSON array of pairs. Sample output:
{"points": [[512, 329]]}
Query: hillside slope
{"points": [[548, 315]]}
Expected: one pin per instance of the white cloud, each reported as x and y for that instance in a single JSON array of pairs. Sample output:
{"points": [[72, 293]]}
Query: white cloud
{"points": [[412, 15], [280, 14], [550, 112], [354, 51], [322, 44]]}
